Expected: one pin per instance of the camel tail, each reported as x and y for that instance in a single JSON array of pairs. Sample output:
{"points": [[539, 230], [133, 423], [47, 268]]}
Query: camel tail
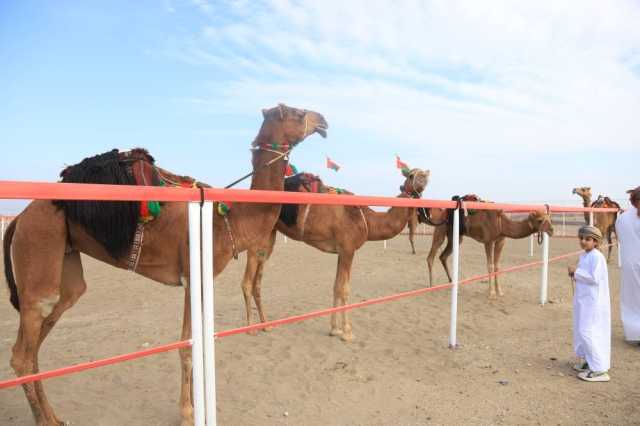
{"points": [[8, 266]]}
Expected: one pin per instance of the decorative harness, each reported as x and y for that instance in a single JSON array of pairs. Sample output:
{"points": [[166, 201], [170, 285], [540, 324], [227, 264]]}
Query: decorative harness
{"points": [[223, 209]]}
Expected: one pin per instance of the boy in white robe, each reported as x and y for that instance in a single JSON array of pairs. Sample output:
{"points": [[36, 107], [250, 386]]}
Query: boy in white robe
{"points": [[628, 234], [591, 309]]}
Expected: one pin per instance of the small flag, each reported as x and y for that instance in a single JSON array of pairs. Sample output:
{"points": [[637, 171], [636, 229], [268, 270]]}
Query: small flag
{"points": [[332, 164], [401, 164], [291, 170]]}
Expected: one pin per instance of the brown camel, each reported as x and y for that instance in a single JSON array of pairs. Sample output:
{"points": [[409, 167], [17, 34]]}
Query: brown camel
{"points": [[604, 221], [42, 249], [491, 228], [337, 229]]}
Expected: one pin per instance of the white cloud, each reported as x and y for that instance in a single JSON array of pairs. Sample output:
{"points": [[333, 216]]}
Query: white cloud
{"points": [[500, 77]]}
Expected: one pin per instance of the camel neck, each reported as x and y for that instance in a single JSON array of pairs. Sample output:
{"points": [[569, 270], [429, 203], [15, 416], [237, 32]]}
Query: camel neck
{"points": [[515, 228], [386, 225], [586, 202], [268, 169]]}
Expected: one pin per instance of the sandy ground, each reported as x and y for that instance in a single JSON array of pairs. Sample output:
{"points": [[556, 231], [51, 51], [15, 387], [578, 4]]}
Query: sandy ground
{"points": [[513, 366]]}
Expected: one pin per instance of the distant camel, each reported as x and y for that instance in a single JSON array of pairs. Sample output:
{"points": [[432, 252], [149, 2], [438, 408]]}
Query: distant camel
{"points": [[604, 221], [489, 227], [336, 229]]}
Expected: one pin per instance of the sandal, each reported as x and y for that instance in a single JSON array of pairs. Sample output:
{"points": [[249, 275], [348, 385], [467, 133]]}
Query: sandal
{"points": [[594, 376]]}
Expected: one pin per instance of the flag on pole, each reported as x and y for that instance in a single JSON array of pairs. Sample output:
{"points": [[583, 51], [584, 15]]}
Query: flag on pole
{"points": [[401, 164], [332, 164]]}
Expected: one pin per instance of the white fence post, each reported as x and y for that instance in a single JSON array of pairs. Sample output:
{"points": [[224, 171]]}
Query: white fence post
{"points": [[454, 288], [285, 239], [531, 245], [591, 218], [545, 268], [195, 289], [564, 224], [208, 308], [385, 244], [1, 228]]}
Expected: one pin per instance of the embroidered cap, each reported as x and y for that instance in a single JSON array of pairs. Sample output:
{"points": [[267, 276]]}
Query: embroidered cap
{"points": [[590, 231]]}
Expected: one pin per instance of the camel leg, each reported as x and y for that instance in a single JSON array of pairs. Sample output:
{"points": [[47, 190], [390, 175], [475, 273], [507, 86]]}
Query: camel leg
{"points": [[446, 253], [439, 234], [488, 250], [413, 223], [24, 360], [72, 287], [38, 316], [497, 253], [48, 283], [343, 286], [186, 404], [609, 240], [248, 284], [257, 283]]}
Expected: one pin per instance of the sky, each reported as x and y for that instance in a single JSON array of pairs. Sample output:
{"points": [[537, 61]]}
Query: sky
{"points": [[513, 101]]}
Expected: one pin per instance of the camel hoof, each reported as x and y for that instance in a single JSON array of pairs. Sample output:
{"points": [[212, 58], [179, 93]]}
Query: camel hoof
{"points": [[347, 337], [335, 332], [253, 332], [493, 297], [267, 329], [186, 422]]}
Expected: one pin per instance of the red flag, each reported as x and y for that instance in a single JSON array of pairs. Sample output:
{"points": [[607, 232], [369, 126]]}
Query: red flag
{"points": [[332, 164], [401, 164]]}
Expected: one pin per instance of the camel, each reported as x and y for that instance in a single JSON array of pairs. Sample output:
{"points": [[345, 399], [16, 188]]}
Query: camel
{"points": [[337, 229], [489, 227], [604, 221], [42, 249]]}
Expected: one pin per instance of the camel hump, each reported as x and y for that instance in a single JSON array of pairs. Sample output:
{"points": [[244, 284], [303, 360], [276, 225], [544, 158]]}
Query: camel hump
{"points": [[611, 203], [112, 224], [136, 154]]}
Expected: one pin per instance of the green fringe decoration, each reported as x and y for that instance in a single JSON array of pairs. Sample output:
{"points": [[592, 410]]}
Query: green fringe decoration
{"points": [[223, 209], [154, 208]]}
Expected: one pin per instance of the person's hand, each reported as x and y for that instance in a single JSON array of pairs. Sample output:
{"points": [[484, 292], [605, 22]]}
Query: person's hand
{"points": [[571, 270]]}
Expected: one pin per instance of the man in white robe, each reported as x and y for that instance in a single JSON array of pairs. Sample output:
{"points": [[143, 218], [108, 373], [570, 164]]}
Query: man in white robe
{"points": [[628, 233], [591, 309]]}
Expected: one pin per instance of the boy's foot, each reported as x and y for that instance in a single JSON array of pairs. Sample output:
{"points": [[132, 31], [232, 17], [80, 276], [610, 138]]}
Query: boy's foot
{"points": [[593, 376], [581, 366]]}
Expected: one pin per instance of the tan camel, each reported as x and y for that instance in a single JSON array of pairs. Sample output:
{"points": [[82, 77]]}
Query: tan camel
{"points": [[491, 228], [45, 277], [341, 230], [604, 221]]}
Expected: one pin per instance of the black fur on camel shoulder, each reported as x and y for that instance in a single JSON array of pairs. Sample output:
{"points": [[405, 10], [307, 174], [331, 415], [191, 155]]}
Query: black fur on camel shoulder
{"points": [[111, 223]]}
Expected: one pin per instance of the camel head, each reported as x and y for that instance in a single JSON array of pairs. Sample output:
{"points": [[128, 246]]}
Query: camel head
{"points": [[540, 222], [415, 183], [287, 125], [583, 191]]}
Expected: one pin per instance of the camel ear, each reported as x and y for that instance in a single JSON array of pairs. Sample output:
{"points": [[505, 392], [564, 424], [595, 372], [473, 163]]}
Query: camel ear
{"points": [[264, 112], [427, 172]]}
